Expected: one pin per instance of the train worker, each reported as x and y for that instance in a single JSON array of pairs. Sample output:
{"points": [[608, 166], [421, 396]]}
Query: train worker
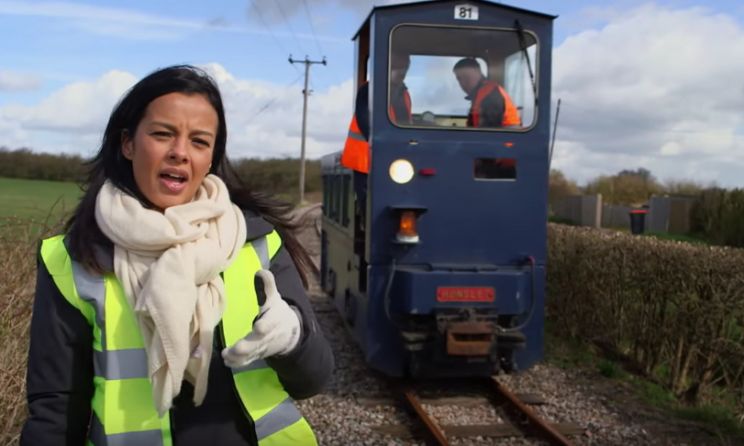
{"points": [[172, 310], [490, 104], [355, 155], [400, 100]]}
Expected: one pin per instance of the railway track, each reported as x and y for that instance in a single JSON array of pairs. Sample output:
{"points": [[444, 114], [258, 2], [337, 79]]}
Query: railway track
{"points": [[518, 419]]}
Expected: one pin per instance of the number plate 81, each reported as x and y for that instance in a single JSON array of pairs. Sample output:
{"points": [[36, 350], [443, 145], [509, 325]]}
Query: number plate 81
{"points": [[466, 12]]}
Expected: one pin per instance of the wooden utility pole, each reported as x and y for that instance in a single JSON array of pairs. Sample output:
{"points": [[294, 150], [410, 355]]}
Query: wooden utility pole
{"points": [[305, 94]]}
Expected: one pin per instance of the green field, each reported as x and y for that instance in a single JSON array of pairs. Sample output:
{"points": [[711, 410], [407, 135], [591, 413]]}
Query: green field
{"points": [[36, 200]]}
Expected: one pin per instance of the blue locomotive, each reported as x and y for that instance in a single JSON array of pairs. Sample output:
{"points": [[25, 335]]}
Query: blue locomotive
{"points": [[441, 272]]}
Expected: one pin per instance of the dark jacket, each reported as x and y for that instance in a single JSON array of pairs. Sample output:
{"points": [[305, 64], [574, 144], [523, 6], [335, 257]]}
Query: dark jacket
{"points": [[491, 109], [60, 368], [398, 107]]}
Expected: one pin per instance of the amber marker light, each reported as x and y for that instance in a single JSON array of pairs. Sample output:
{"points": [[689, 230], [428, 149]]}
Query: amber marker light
{"points": [[407, 232], [401, 171]]}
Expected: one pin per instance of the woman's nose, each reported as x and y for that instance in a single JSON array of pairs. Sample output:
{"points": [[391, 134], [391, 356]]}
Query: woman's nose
{"points": [[178, 151]]}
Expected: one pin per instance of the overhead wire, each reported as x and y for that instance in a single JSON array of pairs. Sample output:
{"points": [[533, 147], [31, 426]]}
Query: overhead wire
{"points": [[255, 7], [312, 27], [289, 25], [271, 102]]}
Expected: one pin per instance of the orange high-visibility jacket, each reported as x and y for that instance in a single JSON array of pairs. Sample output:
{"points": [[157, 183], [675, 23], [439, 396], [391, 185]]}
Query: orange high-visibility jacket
{"points": [[356, 149], [511, 115]]}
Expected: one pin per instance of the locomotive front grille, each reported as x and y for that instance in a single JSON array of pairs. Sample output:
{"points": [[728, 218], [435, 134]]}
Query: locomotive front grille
{"points": [[470, 338]]}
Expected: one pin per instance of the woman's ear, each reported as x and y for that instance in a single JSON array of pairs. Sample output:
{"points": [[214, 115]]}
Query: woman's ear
{"points": [[127, 146]]}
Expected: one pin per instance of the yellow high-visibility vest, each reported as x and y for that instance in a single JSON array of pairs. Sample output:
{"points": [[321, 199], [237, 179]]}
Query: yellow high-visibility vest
{"points": [[123, 410]]}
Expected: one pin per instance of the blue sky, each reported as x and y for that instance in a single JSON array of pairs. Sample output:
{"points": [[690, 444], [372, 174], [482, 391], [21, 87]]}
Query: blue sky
{"points": [[643, 84]]}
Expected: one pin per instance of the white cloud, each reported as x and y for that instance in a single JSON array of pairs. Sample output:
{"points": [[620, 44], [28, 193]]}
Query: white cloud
{"points": [[72, 118], [265, 119], [15, 81], [671, 148], [657, 88], [13, 134], [77, 107]]}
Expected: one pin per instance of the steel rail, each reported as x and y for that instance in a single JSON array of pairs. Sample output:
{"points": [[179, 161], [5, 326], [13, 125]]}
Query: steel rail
{"points": [[432, 427], [543, 427]]}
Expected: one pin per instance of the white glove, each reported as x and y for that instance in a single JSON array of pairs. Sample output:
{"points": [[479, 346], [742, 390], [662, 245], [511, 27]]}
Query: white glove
{"points": [[276, 330]]}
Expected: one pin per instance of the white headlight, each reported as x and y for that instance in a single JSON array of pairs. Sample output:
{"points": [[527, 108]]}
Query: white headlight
{"points": [[401, 171]]}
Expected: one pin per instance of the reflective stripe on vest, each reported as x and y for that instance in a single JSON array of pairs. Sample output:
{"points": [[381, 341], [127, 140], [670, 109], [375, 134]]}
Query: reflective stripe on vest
{"points": [[277, 420], [123, 409], [356, 149], [511, 114]]}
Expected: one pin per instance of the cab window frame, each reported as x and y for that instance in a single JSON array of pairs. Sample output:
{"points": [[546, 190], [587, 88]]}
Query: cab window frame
{"points": [[535, 68]]}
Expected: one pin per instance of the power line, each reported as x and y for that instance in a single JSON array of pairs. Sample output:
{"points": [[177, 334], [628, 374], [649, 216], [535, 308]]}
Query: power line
{"points": [[255, 7], [312, 27], [289, 25], [271, 102]]}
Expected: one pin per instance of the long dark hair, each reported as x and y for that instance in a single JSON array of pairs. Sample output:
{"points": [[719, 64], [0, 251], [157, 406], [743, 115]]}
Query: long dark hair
{"points": [[83, 231]]}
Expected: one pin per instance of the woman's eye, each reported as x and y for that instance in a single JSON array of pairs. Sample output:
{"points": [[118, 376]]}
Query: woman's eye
{"points": [[201, 143], [161, 134]]}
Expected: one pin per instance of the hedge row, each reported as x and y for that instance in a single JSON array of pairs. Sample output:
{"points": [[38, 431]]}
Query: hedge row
{"points": [[718, 215], [279, 176], [674, 309], [23, 163], [275, 176]]}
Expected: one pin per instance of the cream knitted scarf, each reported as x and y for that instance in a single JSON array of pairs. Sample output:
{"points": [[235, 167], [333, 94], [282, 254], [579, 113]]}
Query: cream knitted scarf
{"points": [[169, 265]]}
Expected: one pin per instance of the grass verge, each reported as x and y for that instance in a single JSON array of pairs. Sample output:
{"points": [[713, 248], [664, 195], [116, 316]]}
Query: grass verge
{"points": [[718, 415]]}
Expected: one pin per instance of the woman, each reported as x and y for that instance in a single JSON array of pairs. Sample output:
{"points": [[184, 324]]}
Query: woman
{"points": [[172, 311]]}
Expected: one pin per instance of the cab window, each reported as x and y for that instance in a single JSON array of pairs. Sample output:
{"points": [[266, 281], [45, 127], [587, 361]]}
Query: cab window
{"points": [[463, 78]]}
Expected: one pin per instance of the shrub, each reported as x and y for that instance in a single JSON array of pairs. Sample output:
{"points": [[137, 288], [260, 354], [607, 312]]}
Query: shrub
{"points": [[668, 306], [718, 215]]}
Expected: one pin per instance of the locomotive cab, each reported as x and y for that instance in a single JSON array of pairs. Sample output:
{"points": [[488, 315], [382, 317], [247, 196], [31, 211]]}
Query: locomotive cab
{"points": [[442, 271]]}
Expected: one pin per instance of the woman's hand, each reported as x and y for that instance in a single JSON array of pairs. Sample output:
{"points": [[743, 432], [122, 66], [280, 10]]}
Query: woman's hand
{"points": [[276, 330]]}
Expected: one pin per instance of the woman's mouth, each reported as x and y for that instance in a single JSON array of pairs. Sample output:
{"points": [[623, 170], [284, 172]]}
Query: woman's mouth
{"points": [[173, 182]]}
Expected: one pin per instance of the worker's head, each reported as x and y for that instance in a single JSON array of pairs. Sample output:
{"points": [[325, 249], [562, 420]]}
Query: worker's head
{"points": [[399, 63], [468, 73]]}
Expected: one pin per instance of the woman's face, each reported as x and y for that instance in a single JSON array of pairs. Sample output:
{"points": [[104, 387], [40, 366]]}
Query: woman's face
{"points": [[171, 150]]}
